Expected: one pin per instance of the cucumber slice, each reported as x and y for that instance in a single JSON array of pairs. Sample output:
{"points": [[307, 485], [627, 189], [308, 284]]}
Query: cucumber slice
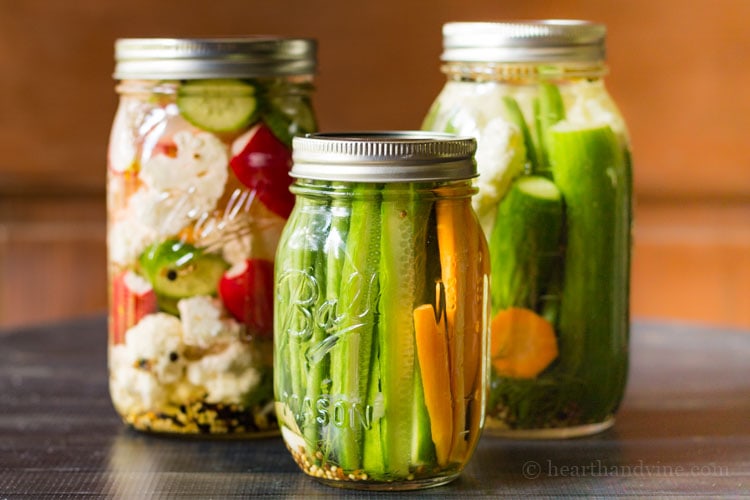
{"points": [[178, 270], [549, 110], [225, 105], [515, 115], [590, 169], [290, 116], [525, 243]]}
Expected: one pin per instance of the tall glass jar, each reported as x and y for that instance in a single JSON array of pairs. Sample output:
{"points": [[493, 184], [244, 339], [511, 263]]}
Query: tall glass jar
{"points": [[555, 203], [382, 310], [197, 196]]}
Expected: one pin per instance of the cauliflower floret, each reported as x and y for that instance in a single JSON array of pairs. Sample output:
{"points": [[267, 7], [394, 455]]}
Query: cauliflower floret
{"points": [[200, 167], [500, 156], [246, 230], [202, 325], [227, 376], [166, 213], [155, 345], [130, 117], [237, 250], [478, 110], [468, 107], [588, 103], [259, 243], [150, 216], [126, 240], [133, 390]]}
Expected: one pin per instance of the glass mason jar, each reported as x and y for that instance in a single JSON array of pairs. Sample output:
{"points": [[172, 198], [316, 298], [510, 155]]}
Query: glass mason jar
{"points": [[197, 196], [382, 310], [554, 200]]}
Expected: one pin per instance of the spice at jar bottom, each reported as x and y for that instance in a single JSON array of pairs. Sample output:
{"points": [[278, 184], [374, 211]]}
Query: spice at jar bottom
{"points": [[382, 310]]}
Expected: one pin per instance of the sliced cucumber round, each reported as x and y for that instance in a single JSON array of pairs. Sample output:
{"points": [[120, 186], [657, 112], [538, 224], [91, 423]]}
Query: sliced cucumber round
{"points": [[224, 105], [178, 270], [290, 116]]}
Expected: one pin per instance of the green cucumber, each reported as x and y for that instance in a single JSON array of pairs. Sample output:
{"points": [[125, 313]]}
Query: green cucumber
{"points": [[374, 445], [358, 300], [288, 308], [298, 293], [315, 369], [220, 105], [402, 267], [290, 116], [515, 115], [525, 243], [590, 169], [179, 270], [328, 276], [548, 110]]}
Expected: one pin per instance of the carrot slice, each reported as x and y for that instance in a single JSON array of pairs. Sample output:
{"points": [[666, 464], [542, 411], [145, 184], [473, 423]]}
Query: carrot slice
{"points": [[523, 344], [432, 352], [453, 234]]}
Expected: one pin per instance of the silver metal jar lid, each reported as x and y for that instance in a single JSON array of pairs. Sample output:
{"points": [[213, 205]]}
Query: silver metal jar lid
{"points": [[183, 58], [387, 156], [525, 41]]}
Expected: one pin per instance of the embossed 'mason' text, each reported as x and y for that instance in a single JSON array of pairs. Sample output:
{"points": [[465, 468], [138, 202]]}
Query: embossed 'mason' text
{"points": [[326, 411]]}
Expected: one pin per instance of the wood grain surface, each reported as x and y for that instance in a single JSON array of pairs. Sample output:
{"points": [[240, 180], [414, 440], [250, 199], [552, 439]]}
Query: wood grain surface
{"points": [[682, 431]]}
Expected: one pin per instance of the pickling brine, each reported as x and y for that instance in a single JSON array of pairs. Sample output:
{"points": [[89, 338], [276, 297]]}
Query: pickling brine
{"points": [[555, 203], [382, 310], [198, 194]]}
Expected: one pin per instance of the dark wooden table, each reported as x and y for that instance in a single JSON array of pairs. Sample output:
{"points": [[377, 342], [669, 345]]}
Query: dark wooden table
{"points": [[684, 429]]}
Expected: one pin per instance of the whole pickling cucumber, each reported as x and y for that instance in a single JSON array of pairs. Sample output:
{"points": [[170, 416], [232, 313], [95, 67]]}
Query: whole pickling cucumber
{"points": [[525, 243], [589, 167]]}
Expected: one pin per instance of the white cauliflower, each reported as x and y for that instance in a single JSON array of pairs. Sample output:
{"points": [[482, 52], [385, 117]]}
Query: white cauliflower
{"points": [[589, 104], [501, 156], [166, 213], [133, 390], [126, 240], [246, 229], [258, 241], [227, 376], [202, 324], [200, 167], [155, 345], [129, 119], [477, 110]]}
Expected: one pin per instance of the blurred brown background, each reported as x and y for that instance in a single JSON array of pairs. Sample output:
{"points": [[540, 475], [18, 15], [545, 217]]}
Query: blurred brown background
{"points": [[678, 72]]}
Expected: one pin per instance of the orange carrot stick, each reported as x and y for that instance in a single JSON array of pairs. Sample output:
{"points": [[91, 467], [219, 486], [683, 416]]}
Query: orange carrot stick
{"points": [[432, 352], [452, 243]]}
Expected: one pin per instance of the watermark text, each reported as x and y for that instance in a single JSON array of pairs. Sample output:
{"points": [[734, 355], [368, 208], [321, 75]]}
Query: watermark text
{"points": [[533, 469]]}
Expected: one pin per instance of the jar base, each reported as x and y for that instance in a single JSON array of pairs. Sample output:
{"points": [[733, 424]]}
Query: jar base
{"points": [[409, 485], [498, 430]]}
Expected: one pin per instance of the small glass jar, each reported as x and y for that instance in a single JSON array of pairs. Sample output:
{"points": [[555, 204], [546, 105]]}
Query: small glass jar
{"points": [[382, 310], [554, 200], [197, 196]]}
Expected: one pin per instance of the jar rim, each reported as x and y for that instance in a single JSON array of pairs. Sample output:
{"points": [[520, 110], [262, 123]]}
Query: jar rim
{"points": [[383, 156], [545, 40], [196, 58]]}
